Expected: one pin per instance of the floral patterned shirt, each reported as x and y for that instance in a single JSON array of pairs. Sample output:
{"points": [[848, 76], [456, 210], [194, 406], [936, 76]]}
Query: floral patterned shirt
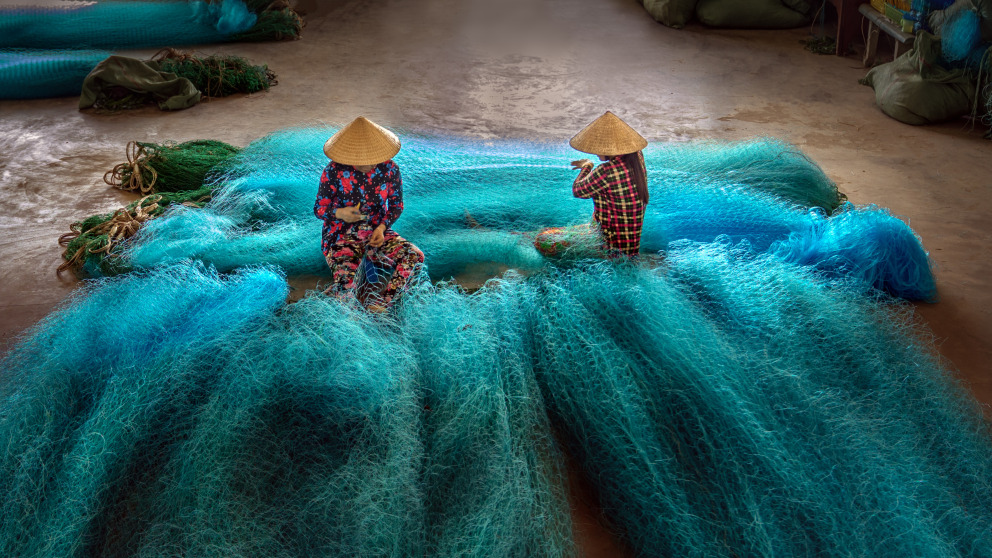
{"points": [[616, 206], [380, 191]]}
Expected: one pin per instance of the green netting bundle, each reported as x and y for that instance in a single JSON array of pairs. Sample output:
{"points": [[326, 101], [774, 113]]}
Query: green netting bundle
{"points": [[89, 247], [166, 174], [216, 76], [169, 167], [276, 21]]}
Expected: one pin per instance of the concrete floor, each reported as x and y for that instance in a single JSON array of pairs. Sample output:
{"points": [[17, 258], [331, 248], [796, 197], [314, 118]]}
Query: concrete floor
{"points": [[530, 69]]}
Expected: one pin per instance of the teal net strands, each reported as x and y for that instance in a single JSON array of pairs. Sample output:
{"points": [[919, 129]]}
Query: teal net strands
{"points": [[737, 378], [482, 203], [117, 25], [38, 74], [726, 404], [259, 428]]}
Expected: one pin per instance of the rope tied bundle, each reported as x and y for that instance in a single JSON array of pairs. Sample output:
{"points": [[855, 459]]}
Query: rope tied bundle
{"points": [[99, 236], [131, 175], [122, 225]]}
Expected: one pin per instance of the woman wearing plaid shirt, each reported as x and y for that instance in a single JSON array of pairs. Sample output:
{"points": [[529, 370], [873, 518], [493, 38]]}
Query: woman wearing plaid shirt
{"points": [[618, 187]]}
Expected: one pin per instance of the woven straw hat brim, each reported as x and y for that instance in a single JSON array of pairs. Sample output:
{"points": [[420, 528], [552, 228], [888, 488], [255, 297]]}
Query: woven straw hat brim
{"points": [[608, 136], [362, 142]]}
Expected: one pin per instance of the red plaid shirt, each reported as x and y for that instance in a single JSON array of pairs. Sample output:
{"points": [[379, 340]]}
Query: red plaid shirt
{"points": [[616, 207]]}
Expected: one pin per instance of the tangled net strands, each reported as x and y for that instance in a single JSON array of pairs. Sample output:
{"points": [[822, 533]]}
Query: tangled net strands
{"points": [[727, 404], [473, 207], [90, 244], [164, 174], [258, 429], [216, 76]]}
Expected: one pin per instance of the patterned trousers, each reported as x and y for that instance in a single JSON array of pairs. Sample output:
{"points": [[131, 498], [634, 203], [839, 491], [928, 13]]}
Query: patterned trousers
{"points": [[346, 254]]}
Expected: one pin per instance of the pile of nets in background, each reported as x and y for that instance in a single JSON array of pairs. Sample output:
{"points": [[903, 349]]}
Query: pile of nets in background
{"points": [[216, 76], [165, 175], [40, 46], [36, 74], [728, 404], [472, 206], [131, 25]]}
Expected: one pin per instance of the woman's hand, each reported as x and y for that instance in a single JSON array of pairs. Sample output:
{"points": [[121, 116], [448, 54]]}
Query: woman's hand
{"points": [[378, 236], [581, 164], [350, 214]]}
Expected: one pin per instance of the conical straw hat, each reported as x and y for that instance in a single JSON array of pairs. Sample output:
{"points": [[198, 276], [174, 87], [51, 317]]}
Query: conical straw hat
{"points": [[608, 136], [362, 142]]}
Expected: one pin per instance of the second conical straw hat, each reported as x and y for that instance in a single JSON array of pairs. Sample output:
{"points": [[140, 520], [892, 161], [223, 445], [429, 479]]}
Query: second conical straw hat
{"points": [[362, 142], [608, 136]]}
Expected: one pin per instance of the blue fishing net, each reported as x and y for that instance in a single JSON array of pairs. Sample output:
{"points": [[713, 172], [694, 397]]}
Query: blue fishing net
{"points": [[471, 203], [120, 25], [38, 74], [723, 404], [751, 394]]}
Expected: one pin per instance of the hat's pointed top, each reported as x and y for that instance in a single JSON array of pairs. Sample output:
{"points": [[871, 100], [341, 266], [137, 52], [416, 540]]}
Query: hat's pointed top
{"points": [[362, 142], [608, 135]]}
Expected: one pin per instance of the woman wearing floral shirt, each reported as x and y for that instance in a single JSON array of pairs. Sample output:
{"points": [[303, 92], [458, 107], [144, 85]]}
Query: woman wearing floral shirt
{"points": [[359, 198]]}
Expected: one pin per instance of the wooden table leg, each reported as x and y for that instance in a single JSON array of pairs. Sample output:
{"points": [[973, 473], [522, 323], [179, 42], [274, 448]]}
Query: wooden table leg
{"points": [[872, 46], [897, 51], [848, 23]]}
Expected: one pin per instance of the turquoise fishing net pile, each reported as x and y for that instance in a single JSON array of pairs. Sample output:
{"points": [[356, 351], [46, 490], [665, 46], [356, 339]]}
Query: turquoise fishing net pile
{"points": [[751, 394], [762, 192]]}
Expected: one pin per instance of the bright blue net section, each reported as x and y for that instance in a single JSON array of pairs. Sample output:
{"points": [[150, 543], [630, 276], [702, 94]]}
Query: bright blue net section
{"points": [[118, 25], [482, 203], [38, 74]]}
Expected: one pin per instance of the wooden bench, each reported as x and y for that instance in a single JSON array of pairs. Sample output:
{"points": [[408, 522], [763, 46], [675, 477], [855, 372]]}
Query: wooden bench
{"points": [[878, 21]]}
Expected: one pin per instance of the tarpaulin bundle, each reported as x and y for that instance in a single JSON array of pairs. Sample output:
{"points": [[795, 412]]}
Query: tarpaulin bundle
{"points": [[483, 203]]}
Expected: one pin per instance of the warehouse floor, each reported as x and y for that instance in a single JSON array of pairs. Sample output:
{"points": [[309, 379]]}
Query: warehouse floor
{"points": [[535, 69]]}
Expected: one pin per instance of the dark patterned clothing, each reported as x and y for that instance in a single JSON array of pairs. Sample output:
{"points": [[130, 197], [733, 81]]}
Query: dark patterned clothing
{"points": [[616, 206], [380, 191], [396, 254]]}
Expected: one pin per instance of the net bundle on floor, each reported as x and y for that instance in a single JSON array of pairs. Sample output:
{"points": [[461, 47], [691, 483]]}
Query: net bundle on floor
{"points": [[726, 404], [165, 175], [146, 24], [216, 76], [116, 25], [472, 204], [38, 74]]}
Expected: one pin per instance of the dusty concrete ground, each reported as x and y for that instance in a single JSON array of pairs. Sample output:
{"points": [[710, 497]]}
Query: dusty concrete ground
{"points": [[530, 69]]}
